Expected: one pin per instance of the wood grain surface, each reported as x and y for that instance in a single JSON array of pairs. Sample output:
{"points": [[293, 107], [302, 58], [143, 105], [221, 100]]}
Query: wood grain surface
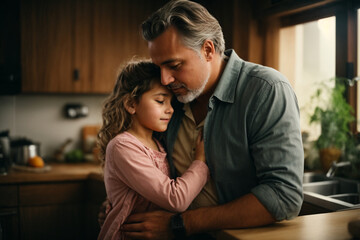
{"points": [[326, 226]]}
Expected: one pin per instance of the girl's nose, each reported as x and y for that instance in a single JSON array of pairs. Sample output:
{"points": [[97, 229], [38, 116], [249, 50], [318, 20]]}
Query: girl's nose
{"points": [[169, 109]]}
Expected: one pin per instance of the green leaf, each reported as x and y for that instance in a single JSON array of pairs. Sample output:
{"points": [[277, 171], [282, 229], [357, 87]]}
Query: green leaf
{"points": [[333, 116]]}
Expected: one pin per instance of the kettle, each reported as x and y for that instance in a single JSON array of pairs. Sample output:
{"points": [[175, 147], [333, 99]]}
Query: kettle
{"points": [[22, 149]]}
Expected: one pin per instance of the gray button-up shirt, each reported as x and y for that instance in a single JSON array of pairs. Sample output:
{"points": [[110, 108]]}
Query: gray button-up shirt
{"points": [[252, 137]]}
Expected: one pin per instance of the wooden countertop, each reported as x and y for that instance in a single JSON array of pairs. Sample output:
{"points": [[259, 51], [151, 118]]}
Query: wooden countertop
{"points": [[326, 226], [57, 172]]}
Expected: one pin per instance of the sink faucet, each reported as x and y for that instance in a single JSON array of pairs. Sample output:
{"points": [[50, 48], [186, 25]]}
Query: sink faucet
{"points": [[334, 166]]}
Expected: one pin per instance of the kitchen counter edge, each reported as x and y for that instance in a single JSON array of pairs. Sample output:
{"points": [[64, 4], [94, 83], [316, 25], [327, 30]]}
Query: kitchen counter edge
{"points": [[58, 172]]}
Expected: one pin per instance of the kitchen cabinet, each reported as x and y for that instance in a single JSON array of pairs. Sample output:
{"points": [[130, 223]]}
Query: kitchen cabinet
{"points": [[56, 207], [117, 37], [9, 217], [10, 81], [95, 196], [43, 211], [9, 223], [60, 204], [47, 47], [77, 46]]}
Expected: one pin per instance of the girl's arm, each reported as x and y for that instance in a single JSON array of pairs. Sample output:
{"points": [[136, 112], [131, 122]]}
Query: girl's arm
{"points": [[132, 166]]}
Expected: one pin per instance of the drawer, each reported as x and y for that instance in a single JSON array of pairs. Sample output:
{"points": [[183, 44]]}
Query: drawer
{"points": [[9, 196], [51, 193]]}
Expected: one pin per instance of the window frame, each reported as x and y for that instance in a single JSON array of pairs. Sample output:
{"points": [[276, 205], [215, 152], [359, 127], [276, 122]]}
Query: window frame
{"points": [[345, 12]]}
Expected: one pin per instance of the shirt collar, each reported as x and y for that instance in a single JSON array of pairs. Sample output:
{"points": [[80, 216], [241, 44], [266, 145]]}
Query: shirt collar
{"points": [[226, 88]]}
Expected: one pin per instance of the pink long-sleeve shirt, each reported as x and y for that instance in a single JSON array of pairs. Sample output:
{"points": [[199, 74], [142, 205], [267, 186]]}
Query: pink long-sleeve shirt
{"points": [[137, 180]]}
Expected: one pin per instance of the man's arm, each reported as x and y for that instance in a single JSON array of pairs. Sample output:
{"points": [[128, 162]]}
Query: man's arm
{"points": [[246, 211]]}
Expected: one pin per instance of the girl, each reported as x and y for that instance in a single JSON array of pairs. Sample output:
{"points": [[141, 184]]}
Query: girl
{"points": [[136, 171]]}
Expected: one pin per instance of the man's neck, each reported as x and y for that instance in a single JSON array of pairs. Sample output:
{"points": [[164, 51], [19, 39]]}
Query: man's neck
{"points": [[199, 106]]}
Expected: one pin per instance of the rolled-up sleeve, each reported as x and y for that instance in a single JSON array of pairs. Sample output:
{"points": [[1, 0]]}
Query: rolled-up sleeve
{"points": [[276, 148]]}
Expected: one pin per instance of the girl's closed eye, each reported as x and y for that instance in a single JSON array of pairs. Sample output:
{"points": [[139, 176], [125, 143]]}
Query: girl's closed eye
{"points": [[160, 101]]}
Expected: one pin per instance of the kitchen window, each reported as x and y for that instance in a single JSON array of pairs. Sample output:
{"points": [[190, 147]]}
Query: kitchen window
{"points": [[307, 59], [317, 44]]}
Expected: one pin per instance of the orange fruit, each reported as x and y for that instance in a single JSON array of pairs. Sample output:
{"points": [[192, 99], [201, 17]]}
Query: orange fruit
{"points": [[36, 161]]}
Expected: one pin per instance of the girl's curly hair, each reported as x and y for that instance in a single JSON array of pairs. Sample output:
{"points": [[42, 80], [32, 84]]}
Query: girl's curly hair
{"points": [[135, 78]]}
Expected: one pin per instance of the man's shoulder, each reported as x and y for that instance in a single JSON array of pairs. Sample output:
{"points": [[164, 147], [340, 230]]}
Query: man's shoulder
{"points": [[264, 74], [253, 71]]}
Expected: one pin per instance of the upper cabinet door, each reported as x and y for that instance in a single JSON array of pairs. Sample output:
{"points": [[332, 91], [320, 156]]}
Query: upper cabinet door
{"points": [[81, 76], [10, 70], [117, 37], [78, 46], [46, 45]]}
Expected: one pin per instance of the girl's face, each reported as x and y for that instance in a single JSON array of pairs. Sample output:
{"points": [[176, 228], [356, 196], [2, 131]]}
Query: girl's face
{"points": [[154, 110]]}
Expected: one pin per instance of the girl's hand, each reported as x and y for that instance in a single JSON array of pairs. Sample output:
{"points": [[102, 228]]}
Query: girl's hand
{"points": [[200, 152]]}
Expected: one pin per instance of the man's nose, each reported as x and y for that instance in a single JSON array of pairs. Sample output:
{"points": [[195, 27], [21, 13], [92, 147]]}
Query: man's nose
{"points": [[166, 77]]}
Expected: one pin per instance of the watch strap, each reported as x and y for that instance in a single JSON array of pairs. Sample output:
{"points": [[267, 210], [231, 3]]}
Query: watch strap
{"points": [[177, 226]]}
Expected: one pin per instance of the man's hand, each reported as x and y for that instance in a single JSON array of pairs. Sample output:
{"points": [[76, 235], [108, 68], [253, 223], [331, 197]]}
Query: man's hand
{"points": [[148, 225]]}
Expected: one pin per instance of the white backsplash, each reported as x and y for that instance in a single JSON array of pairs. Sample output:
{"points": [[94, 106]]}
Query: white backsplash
{"points": [[41, 118]]}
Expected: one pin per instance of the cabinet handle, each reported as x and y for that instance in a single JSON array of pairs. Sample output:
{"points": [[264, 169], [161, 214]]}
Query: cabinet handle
{"points": [[76, 74]]}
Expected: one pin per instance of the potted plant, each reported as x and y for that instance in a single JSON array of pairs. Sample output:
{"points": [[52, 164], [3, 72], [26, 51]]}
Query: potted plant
{"points": [[334, 117]]}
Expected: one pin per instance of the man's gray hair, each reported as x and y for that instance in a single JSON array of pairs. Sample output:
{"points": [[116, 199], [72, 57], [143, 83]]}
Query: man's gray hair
{"points": [[192, 21]]}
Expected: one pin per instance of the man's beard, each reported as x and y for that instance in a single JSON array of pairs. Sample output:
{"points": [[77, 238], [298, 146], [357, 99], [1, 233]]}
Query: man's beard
{"points": [[192, 93]]}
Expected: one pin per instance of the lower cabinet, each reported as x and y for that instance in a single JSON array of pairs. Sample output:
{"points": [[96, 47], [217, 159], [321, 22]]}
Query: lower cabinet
{"points": [[9, 223], [52, 222], [95, 196], [58, 210], [9, 212], [52, 210]]}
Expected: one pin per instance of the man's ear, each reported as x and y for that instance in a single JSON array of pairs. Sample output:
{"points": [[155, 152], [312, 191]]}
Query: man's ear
{"points": [[209, 50], [130, 106]]}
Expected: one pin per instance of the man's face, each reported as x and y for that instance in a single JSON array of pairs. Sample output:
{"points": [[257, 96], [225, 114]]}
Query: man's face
{"points": [[183, 70]]}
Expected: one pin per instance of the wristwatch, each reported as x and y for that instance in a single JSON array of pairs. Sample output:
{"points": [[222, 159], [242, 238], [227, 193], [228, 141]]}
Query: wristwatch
{"points": [[177, 226]]}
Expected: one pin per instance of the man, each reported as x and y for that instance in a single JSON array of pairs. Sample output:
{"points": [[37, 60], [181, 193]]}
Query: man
{"points": [[250, 119]]}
